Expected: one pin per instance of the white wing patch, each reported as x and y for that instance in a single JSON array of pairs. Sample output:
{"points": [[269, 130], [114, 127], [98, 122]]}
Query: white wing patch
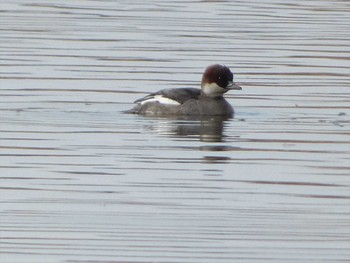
{"points": [[160, 99]]}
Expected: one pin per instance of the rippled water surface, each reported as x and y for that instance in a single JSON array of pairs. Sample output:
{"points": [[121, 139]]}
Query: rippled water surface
{"points": [[83, 182]]}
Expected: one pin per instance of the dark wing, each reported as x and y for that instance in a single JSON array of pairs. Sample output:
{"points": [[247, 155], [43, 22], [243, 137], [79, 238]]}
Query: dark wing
{"points": [[179, 95]]}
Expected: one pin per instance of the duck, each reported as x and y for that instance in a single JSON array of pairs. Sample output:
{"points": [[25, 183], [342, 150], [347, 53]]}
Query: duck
{"points": [[217, 79]]}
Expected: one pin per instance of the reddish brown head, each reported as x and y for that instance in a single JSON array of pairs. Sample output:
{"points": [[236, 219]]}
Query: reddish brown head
{"points": [[217, 79]]}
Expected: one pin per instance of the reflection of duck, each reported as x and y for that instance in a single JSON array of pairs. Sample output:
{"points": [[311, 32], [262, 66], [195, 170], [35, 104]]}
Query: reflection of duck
{"points": [[206, 128], [209, 100]]}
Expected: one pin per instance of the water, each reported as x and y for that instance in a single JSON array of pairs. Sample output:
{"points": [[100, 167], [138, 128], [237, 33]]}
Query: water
{"points": [[83, 182]]}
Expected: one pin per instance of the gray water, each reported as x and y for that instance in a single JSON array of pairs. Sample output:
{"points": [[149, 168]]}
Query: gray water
{"points": [[83, 182]]}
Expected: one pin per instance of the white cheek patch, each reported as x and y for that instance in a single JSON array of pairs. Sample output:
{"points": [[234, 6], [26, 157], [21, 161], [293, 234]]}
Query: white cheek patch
{"points": [[212, 90], [161, 100]]}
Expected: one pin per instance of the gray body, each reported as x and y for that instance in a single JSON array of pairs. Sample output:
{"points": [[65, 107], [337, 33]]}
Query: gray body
{"points": [[191, 102]]}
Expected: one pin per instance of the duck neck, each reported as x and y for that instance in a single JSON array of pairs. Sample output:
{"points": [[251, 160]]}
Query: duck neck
{"points": [[205, 96]]}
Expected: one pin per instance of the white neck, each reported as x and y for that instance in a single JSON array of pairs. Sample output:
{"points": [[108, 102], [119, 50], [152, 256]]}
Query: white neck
{"points": [[213, 90]]}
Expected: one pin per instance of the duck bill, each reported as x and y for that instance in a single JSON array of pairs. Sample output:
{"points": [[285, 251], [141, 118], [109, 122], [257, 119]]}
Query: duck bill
{"points": [[232, 85]]}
